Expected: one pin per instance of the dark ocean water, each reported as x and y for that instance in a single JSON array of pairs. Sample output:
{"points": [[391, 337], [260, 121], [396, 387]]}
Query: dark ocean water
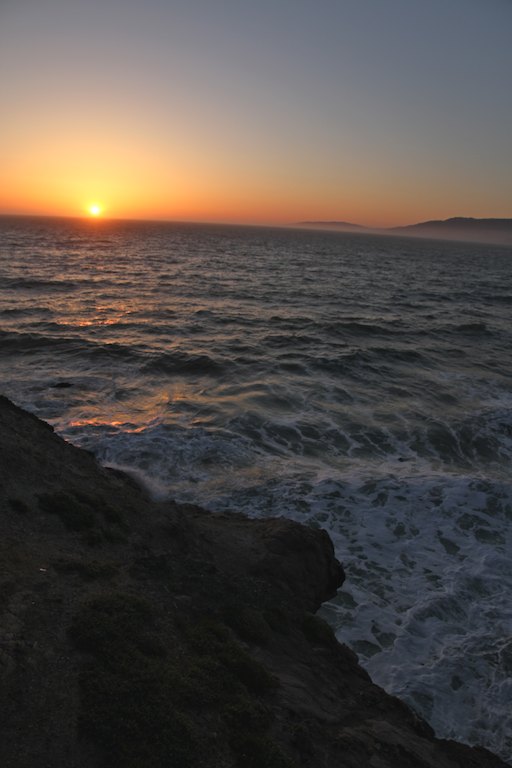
{"points": [[362, 384]]}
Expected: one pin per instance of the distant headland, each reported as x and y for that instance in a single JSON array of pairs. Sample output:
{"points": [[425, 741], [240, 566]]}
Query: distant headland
{"points": [[496, 231]]}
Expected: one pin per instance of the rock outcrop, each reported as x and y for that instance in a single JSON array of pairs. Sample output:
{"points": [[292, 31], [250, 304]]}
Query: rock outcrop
{"points": [[142, 634]]}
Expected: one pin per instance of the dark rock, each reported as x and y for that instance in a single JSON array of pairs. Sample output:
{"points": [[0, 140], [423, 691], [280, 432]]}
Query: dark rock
{"points": [[187, 639]]}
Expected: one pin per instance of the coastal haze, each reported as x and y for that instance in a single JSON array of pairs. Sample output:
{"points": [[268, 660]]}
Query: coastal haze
{"points": [[497, 231], [357, 383]]}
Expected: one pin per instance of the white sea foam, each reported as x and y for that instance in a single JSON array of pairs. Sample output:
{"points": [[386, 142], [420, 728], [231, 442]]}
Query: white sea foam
{"points": [[426, 603]]}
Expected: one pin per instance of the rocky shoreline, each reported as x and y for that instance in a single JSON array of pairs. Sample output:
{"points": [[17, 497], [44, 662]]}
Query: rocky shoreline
{"points": [[141, 634]]}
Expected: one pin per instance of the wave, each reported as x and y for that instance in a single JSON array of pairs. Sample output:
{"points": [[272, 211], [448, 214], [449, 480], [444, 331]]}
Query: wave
{"points": [[472, 328], [25, 311], [374, 359], [178, 362], [23, 343], [279, 340], [28, 284], [360, 329]]}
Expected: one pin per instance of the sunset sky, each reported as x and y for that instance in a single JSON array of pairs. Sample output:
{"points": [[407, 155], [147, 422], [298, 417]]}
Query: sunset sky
{"points": [[381, 112]]}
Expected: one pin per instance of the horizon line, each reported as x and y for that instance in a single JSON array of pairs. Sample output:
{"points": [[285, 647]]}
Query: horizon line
{"points": [[400, 231]]}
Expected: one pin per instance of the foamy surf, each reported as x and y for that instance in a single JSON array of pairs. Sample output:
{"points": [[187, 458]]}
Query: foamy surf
{"points": [[426, 604]]}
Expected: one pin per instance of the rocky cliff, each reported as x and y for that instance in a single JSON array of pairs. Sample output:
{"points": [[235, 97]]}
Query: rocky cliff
{"points": [[135, 634]]}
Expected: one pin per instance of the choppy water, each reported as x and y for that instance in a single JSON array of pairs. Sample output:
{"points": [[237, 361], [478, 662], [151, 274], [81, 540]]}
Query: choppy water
{"points": [[361, 384]]}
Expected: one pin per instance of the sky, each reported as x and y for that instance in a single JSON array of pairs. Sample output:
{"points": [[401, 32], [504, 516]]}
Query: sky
{"points": [[379, 112]]}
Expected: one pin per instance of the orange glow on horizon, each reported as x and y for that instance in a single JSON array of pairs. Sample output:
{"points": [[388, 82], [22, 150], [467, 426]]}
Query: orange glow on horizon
{"points": [[69, 174], [65, 179]]}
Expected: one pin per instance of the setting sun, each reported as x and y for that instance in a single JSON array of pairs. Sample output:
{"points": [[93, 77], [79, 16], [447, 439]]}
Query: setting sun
{"points": [[95, 209]]}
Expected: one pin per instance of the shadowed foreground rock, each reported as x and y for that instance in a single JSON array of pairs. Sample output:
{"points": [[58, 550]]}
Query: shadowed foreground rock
{"points": [[140, 635]]}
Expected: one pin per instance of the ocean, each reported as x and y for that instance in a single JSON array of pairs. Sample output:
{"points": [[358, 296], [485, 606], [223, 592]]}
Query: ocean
{"points": [[361, 384]]}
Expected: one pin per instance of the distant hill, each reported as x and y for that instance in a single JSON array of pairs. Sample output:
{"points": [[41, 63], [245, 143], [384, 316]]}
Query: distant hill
{"points": [[497, 231], [460, 228]]}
